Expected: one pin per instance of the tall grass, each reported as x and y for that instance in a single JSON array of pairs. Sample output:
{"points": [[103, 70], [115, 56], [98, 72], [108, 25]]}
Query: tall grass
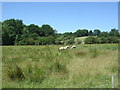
{"points": [[45, 67]]}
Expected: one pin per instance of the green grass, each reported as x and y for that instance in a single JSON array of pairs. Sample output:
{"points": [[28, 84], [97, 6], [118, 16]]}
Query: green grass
{"points": [[83, 38], [87, 66]]}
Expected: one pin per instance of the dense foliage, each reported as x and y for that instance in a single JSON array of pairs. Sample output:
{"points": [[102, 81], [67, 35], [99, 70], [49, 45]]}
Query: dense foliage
{"points": [[15, 32]]}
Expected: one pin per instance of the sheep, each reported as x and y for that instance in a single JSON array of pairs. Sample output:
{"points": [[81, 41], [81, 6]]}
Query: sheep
{"points": [[67, 47], [63, 48], [73, 47]]}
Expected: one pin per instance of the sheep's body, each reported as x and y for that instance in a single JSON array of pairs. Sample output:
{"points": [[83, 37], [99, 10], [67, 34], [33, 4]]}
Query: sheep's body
{"points": [[67, 46], [73, 47], [63, 48]]}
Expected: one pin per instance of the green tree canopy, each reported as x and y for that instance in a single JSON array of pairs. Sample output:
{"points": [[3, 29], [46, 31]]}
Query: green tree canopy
{"points": [[48, 30], [80, 33], [114, 32], [11, 31], [14, 32], [96, 32]]}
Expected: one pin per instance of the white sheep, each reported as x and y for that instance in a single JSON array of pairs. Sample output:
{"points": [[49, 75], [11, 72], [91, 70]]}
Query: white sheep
{"points": [[73, 47], [63, 48], [67, 47]]}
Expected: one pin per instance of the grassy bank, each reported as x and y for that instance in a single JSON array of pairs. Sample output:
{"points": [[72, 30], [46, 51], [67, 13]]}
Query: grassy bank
{"points": [[87, 66]]}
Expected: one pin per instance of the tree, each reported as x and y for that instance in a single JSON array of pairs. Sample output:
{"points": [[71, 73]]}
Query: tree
{"points": [[104, 40], [89, 40], [60, 39], [48, 30], [114, 32], [14, 29], [70, 41], [32, 28], [51, 40], [5, 36], [112, 39], [90, 33], [80, 33], [104, 34], [14, 32], [27, 41], [66, 34], [96, 32], [97, 40]]}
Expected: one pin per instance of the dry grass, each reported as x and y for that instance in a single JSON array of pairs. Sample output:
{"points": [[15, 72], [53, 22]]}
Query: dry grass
{"points": [[46, 67]]}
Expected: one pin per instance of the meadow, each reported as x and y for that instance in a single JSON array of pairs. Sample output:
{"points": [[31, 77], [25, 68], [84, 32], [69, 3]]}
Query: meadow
{"points": [[44, 66]]}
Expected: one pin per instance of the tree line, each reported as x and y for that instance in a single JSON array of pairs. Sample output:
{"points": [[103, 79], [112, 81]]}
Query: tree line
{"points": [[15, 32]]}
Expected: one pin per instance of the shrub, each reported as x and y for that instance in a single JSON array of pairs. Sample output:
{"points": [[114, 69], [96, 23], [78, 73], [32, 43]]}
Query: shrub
{"points": [[90, 40], [15, 73], [70, 41]]}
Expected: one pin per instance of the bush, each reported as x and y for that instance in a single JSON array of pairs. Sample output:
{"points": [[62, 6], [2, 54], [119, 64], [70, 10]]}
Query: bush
{"points": [[109, 39], [112, 39], [15, 73], [26, 41], [70, 41], [90, 40]]}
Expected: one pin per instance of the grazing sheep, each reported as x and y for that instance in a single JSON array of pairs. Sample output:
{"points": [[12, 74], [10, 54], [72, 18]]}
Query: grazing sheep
{"points": [[63, 48], [73, 47], [67, 47]]}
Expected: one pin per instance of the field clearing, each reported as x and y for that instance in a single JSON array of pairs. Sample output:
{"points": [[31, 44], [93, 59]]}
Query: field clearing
{"points": [[87, 66], [82, 38]]}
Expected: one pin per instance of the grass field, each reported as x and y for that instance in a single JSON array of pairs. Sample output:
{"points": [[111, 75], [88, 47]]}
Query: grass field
{"points": [[87, 66]]}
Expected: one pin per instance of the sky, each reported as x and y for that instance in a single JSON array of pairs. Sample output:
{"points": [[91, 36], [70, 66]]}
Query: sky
{"points": [[64, 16]]}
